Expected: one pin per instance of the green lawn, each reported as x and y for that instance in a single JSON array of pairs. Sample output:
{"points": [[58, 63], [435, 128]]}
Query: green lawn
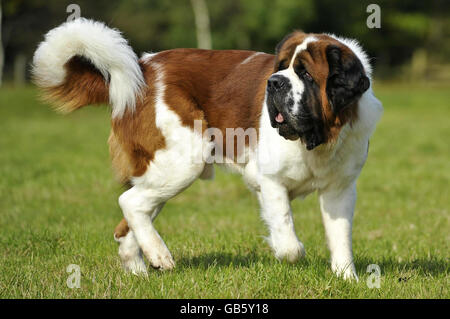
{"points": [[58, 206]]}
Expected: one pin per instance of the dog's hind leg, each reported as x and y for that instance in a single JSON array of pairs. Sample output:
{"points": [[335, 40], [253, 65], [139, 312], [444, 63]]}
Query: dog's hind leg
{"points": [[139, 202], [167, 175], [129, 251], [130, 254]]}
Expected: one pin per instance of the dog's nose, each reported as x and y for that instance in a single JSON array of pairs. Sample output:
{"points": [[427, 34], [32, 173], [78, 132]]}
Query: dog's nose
{"points": [[275, 83]]}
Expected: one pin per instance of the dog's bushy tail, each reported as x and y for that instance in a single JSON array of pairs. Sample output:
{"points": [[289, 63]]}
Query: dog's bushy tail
{"points": [[84, 62]]}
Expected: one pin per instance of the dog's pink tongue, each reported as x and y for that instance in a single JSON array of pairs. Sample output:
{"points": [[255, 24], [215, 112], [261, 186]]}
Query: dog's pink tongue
{"points": [[279, 118]]}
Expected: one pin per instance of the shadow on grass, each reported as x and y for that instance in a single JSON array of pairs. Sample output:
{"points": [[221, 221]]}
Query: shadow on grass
{"points": [[224, 260], [220, 259], [422, 266]]}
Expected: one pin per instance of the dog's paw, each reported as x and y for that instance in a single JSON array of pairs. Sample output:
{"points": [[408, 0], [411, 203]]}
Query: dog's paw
{"points": [[161, 259], [130, 255], [350, 275], [346, 271], [135, 266], [291, 251]]}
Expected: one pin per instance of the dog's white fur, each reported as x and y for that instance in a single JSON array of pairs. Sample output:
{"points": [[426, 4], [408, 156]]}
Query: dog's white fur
{"points": [[104, 47]]}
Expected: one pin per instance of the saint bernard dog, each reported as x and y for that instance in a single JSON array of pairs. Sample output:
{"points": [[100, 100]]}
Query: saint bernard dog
{"points": [[311, 108]]}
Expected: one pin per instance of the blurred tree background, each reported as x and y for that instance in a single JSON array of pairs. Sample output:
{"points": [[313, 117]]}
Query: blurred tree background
{"points": [[412, 43]]}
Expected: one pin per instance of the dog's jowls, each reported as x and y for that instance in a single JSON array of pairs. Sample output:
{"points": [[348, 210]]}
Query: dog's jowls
{"points": [[303, 117]]}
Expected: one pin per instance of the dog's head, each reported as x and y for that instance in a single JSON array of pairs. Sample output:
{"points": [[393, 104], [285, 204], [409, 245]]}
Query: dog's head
{"points": [[315, 87]]}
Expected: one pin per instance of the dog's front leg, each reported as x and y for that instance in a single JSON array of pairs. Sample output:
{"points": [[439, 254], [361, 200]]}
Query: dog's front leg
{"points": [[337, 208], [276, 212]]}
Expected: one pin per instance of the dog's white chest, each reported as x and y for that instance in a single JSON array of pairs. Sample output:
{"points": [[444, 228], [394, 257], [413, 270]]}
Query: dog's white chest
{"points": [[302, 171]]}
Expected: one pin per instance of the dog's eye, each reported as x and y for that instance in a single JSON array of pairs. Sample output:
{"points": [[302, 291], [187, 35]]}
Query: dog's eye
{"points": [[308, 76], [302, 73], [282, 65]]}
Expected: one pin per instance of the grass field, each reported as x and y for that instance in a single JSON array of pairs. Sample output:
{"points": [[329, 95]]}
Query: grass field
{"points": [[58, 206]]}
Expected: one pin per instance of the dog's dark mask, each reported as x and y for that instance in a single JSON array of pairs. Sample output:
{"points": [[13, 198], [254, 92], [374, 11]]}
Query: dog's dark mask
{"points": [[333, 79]]}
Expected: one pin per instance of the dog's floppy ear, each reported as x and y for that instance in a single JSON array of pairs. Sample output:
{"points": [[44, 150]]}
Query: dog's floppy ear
{"points": [[347, 80]]}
